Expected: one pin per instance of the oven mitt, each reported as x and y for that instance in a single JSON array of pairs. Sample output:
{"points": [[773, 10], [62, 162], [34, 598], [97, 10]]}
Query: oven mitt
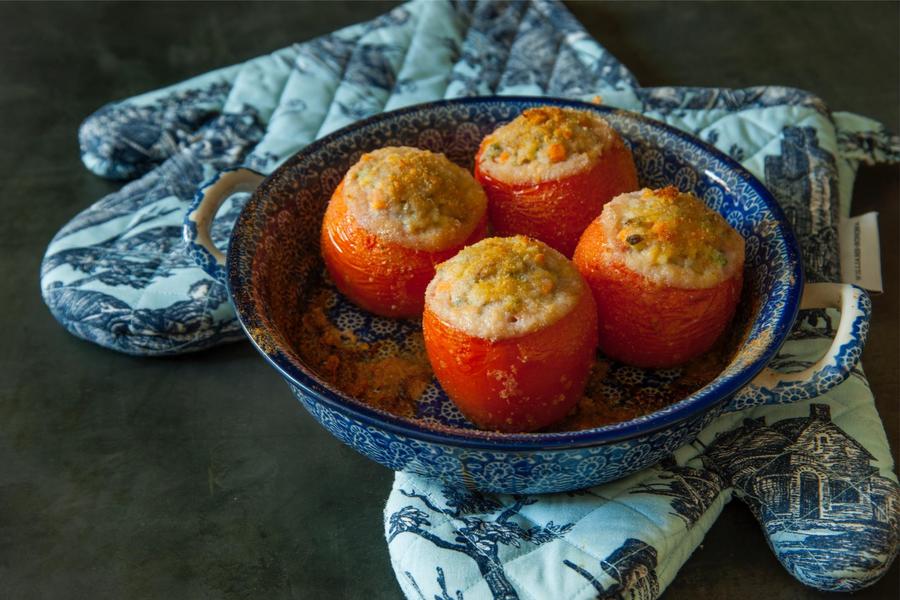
{"points": [[117, 275]]}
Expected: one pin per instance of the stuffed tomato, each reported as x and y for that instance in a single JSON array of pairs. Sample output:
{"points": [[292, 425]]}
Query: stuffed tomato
{"points": [[510, 331], [396, 214], [666, 273], [549, 172]]}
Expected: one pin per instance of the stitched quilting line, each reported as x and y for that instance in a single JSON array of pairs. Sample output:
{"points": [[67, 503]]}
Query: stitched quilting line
{"points": [[802, 99], [479, 27], [277, 112], [449, 519], [418, 26], [467, 36], [466, 18], [496, 563], [542, 79], [502, 71], [344, 61], [560, 40], [663, 535], [812, 555], [549, 9], [614, 499], [163, 119], [356, 55]]}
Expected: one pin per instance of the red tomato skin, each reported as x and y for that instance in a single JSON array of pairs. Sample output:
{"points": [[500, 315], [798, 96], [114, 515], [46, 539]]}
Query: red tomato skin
{"points": [[645, 324], [515, 384], [557, 211], [379, 276]]}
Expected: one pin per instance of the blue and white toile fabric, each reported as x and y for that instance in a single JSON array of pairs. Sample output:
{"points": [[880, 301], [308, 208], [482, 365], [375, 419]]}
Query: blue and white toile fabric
{"points": [[817, 474]]}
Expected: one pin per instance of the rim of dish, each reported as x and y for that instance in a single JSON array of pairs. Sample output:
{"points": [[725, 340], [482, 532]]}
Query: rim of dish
{"points": [[700, 401]]}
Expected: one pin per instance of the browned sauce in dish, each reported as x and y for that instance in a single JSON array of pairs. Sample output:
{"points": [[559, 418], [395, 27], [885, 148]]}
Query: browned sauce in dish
{"points": [[392, 377]]}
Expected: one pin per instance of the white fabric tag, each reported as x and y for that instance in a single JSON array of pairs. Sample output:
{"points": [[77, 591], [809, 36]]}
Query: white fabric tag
{"points": [[860, 251]]}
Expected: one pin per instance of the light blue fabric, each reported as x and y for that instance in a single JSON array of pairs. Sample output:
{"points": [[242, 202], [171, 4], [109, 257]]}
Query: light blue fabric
{"points": [[819, 479]]}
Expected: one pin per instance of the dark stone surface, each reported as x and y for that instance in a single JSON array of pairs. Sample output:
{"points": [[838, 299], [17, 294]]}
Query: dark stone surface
{"points": [[200, 476]]}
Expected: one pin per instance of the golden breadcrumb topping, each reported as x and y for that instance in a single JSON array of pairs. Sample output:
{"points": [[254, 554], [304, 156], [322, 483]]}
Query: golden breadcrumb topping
{"points": [[672, 238], [504, 287], [414, 197], [545, 143]]}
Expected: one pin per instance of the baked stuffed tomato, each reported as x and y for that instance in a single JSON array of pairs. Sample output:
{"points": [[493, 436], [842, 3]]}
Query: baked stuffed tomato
{"points": [[510, 331], [396, 214], [666, 273], [549, 172]]}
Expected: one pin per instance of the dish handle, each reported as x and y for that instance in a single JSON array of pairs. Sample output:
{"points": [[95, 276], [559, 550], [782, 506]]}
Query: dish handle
{"points": [[775, 387], [203, 209]]}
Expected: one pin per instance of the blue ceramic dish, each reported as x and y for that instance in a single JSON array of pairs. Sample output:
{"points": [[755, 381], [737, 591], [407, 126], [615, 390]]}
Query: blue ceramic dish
{"points": [[273, 266]]}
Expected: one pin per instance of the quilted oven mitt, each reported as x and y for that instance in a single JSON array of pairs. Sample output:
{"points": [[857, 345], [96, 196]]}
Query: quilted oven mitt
{"points": [[117, 275]]}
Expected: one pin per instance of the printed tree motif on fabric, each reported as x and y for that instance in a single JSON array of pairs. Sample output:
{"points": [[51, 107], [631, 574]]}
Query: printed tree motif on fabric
{"points": [[124, 139], [692, 490], [134, 261], [803, 178], [482, 525], [175, 178], [148, 247], [575, 72], [372, 66], [442, 582], [829, 515], [112, 323], [633, 567]]}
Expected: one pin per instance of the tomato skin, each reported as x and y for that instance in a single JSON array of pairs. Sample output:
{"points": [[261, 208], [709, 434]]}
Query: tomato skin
{"points": [[557, 211], [515, 384], [646, 324], [380, 276]]}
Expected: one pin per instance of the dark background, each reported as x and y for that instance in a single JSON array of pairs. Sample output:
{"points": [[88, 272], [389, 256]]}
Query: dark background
{"points": [[200, 476]]}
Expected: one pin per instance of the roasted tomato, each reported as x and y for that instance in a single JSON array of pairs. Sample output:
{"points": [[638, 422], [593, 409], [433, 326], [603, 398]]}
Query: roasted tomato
{"points": [[648, 323], [548, 174], [502, 379], [380, 276], [396, 214]]}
